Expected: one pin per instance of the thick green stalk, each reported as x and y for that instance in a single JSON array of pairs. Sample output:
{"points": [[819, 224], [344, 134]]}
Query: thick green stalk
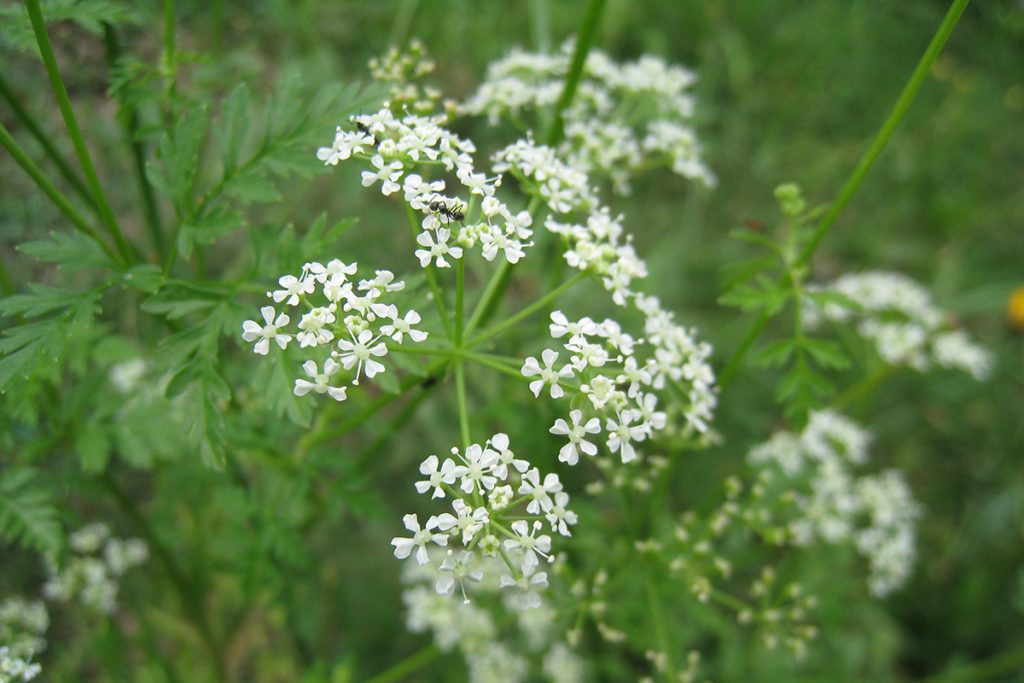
{"points": [[130, 121], [77, 139], [45, 141], [50, 190], [853, 183]]}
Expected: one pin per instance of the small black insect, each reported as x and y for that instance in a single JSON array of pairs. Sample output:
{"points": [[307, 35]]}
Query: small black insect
{"points": [[454, 213]]}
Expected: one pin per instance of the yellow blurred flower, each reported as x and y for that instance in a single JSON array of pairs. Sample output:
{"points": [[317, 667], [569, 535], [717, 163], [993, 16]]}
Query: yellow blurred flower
{"points": [[1015, 308]]}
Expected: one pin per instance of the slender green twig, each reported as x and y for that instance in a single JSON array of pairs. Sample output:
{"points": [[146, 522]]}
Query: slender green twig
{"points": [[460, 397], [584, 41], [6, 284], [46, 143], [460, 295], [654, 604], [191, 601], [853, 183], [401, 670], [130, 122], [48, 188], [431, 276], [526, 312], [77, 140], [493, 363]]}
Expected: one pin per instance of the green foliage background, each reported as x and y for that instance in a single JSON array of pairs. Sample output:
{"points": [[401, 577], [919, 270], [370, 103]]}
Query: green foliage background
{"points": [[283, 553]]}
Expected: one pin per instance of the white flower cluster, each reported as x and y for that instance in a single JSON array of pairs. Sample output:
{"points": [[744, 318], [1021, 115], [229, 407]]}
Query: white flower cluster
{"points": [[22, 625], [400, 69], [473, 629], [91, 574], [624, 116], [348, 317], [875, 512], [488, 486], [402, 152], [898, 316], [613, 378]]}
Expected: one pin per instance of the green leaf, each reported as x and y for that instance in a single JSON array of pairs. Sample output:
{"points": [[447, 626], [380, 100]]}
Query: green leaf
{"points": [[147, 278], [826, 353], [252, 185], [178, 154], [93, 446], [207, 228], [824, 297], [775, 354], [16, 29], [233, 125], [28, 515], [71, 251], [764, 295]]}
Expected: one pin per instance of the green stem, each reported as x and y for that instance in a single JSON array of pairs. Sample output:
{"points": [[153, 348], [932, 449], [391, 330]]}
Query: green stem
{"points": [[987, 670], [572, 80], [460, 295], [60, 201], [899, 110], [853, 183], [864, 387], [526, 312], [500, 280], [6, 285], [401, 670], [130, 121], [654, 603], [191, 601], [431, 276], [493, 363], [434, 372], [169, 61], [460, 397], [77, 140], [46, 142]]}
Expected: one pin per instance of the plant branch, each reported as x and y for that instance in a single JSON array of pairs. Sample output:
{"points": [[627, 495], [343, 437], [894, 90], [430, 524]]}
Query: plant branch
{"points": [[77, 140], [853, 183]]}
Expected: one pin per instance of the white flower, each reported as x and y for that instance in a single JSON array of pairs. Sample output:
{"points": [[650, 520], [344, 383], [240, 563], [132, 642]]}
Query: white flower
{"points": [[528, 544], [540, 492], [622, 434], [558, 516], [335, 270], [320, 380], [436, 250], [291, 289], [467, 520], [360, 352], [577, 436], [399, 327], [526, 588], [477, 472], [436, 478], [500, 497], [312, 327], [494, 240], [388, 174], [252, 330], [420, 539], [548, 373], [461, 568], [499, 442]]}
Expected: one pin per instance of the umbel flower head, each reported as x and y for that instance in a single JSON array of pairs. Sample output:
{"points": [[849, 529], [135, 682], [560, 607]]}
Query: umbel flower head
{"points": [[483, 534], [347, 323]]}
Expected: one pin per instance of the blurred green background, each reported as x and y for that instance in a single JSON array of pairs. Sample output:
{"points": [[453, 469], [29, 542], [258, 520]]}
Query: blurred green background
{"points": [[789, 90]]}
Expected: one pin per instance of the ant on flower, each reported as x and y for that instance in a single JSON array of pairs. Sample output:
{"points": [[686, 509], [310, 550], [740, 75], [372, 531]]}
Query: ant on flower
{"points": [[454, 213]]}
